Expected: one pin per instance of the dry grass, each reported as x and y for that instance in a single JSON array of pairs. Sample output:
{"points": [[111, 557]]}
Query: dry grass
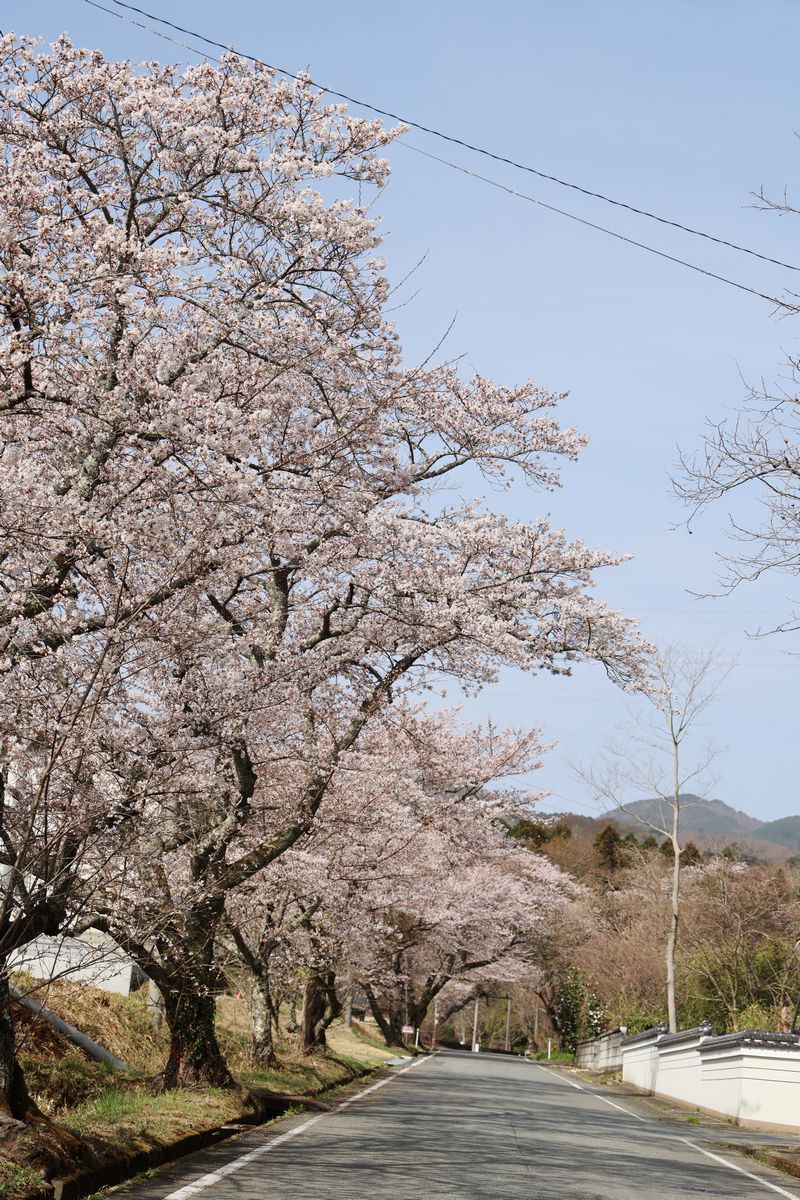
{"points": [[306, 1075], [781, 1158], [116, 1114], [122, 1024], [359, 1042]]}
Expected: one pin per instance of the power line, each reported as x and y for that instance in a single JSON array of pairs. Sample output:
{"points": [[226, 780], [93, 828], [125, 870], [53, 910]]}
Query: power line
{"points": [[642, 212], [774, 300], [552, 208], [742, 287]]}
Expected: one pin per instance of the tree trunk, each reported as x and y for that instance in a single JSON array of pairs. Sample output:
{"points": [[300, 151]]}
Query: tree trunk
{"points": [[155, 1003], [672, 939], [188, 982], [262, 1046], [321, 1006], [187, 1002], [195, 1059], [26, 1134], [15, 1102], [420, 1004], [390, 1024]]}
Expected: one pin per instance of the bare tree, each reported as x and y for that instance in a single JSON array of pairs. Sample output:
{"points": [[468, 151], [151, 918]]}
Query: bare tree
{"points": [[753, 456], [648, 763], [750, 461]]}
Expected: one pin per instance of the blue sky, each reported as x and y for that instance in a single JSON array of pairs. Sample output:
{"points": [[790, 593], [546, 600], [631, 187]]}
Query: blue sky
{"points": [[681, 108]]}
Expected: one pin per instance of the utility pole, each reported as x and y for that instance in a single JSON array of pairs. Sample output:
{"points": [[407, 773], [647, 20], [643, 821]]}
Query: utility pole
{"points": [[508, 1025], [475, 1027]]}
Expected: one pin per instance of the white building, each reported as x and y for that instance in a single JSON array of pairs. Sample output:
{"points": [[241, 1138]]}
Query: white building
{"points": [[94, 958]]}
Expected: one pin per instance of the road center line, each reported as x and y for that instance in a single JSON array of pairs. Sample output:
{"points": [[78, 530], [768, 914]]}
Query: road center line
{"points": [[191, 1189]]}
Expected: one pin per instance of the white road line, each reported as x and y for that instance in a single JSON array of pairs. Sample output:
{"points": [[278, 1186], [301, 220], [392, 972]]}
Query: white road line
{"points": [[725, 1163], [589, 1092], [191, 1189], [618, 1107], [773, 1187], [555, 1075]]}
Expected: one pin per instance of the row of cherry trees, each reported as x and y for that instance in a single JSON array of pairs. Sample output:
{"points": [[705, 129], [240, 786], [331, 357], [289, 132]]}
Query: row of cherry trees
{"points": [[408, 882], [228, 565]]}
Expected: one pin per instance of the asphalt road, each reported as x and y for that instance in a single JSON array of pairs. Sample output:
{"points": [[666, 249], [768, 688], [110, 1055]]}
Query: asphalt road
{"points": [[472, 1127]]}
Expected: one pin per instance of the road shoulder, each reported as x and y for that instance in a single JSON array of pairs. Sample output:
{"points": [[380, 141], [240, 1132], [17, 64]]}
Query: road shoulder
{"points": [[777, 1155]]}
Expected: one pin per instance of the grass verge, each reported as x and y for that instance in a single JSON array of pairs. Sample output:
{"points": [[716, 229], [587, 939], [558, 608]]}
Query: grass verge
{"points": [[556, 1056], [116, 1115]]}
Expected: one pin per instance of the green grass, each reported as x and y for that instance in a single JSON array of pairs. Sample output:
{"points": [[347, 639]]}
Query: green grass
{"points": [[556, 1056], [127, 1119], [117, 1114], [305, 1076], [113, 1105], [18, 1181], [65, 1082]]}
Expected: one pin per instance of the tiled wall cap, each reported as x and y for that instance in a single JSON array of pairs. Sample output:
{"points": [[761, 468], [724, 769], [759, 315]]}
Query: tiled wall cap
{"points": [[687, 1035], [610, 1033], [645, 1036], [753, 1037]]}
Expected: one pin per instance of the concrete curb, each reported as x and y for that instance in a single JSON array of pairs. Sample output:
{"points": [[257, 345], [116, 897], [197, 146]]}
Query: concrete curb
{"points": [[83, 1183]]}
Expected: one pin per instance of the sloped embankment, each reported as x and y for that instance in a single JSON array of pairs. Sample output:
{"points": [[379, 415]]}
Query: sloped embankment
{"points": [[115, 1114]]}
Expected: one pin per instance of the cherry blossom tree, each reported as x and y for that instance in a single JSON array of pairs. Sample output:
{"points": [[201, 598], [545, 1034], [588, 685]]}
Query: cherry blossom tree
{"points": [[408, 878], [64, 814], [149, 221], [218, 477], [464, 920], [262, 923], [265, 712], [412, 768]]}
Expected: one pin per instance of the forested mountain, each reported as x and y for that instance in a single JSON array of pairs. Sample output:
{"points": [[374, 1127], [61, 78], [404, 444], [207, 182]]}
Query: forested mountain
{"points": [[710, 817], [783, 832], [711, 824]]}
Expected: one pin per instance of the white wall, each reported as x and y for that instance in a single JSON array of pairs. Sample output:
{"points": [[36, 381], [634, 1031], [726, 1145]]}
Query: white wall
{"points": [[757, 1084], [603, 1053], [94, 959], [753, 1078], [640, 1060], [678, 1071]]}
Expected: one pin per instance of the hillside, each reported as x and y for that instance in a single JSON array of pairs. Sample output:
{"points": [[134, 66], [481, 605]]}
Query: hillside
{"points": [[126, 1116], [712, 818], [711, 824], [783, 832]]}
